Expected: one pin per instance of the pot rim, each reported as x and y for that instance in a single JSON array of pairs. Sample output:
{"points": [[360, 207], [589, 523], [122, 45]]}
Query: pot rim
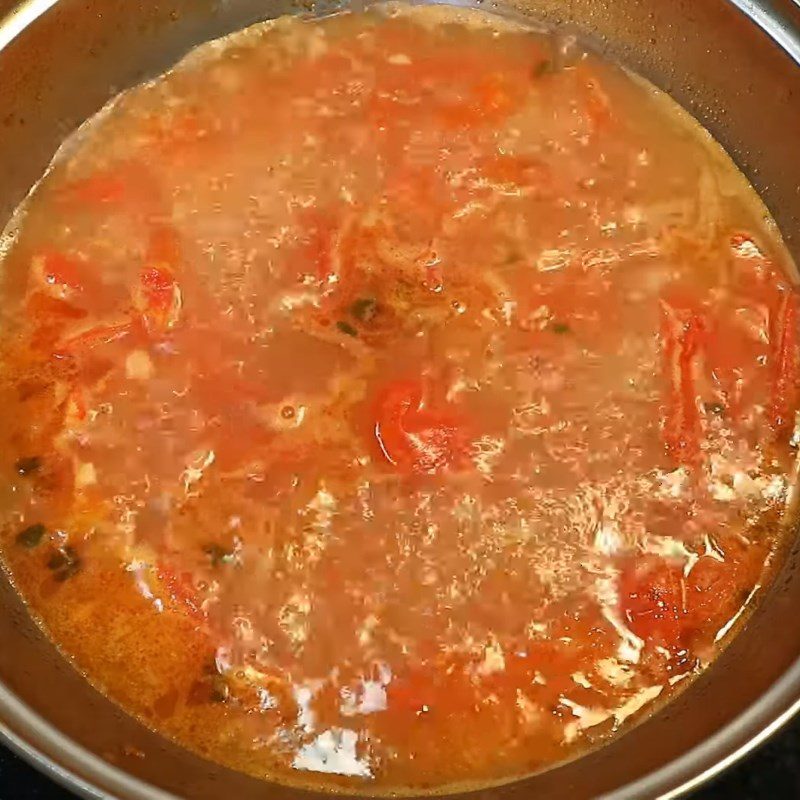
{"points": [[30, 736]]}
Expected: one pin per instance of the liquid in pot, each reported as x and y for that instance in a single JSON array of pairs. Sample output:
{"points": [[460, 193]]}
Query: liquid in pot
{"points": [[394, 401]]}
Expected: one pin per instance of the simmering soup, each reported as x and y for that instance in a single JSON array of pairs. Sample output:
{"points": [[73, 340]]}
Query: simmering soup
{"points": [[393, 401]]}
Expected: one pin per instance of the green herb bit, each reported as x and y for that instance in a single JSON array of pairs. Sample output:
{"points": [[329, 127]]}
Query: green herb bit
{"points": [[210, 667], [68, 571], [64, 563], [561, 327], [25, 466], [346, 327], [218, 554], [57, 560], [211, 687], [364, 309], [220, 691], [31, 536], [714, 408]]}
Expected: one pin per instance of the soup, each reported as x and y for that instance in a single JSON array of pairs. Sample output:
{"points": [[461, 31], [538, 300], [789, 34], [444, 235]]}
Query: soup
{"points": [[395, 401]]}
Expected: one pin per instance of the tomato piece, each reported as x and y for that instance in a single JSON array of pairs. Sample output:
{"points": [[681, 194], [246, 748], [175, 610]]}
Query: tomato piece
{"points": [[743, 245], [158, 296], [412, 437], [752, 265], [61, 271], [399, 246], [158, 285], [430, 269], [683, 329], [94, 337], [75, 407], [49, 317], [664, 606], [72, 278], [785, 375], [744, 329], [394, 405], [49, 310], [712, 590], [653, 601]]}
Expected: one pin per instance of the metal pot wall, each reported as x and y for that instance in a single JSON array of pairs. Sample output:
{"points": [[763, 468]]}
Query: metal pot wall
{"points": [[735, 64]]}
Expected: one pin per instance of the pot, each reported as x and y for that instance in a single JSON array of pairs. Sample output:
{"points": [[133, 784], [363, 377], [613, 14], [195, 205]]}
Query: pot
{"points": [[734, 64]]}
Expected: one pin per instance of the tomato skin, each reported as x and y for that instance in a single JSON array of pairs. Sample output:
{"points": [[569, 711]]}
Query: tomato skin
{"points": [[663, 606], [653, 601], [786, 370], [412, 437], [159, 298], [50, 316], [394, 404], [711, 590], [683, 332], [157, 295], [95, 337], [46, 309]]}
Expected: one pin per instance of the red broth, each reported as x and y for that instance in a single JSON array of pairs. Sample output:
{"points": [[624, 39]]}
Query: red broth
{"points": [[394, 401]]}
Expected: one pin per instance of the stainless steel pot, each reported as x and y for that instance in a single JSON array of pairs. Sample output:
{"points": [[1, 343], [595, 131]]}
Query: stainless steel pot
{"points": [[735, 64]]}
